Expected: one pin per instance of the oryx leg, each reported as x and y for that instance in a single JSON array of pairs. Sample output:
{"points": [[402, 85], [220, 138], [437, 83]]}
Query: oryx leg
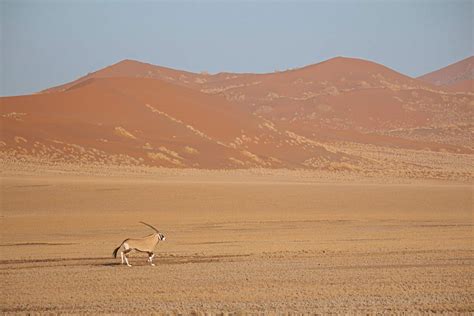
{"points": [[151, 255], [124, 255]]}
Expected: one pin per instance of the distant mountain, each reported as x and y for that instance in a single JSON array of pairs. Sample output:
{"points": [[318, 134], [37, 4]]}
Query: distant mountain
{"points": [[338, 114], [452, 74]]}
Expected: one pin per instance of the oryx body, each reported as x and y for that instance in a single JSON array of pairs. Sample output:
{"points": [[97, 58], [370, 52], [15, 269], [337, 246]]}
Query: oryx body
{"points": [[145, 244]]}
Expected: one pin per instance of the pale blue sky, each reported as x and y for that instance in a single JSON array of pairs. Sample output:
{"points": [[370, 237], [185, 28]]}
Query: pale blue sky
{"points": [[46, 43]]}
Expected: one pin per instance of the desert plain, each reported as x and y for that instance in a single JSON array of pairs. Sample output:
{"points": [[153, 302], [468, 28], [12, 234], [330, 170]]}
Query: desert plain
{"points": [[238, 242]]}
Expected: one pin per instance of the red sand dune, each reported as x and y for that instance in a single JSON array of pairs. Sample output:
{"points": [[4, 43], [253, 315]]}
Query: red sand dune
{"points": [[451, 74], [141, 114], [146, 121], [462, 86]]}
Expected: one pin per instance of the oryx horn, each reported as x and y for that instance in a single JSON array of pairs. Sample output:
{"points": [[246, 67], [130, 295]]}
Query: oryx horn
{"points": [[150, 226]]}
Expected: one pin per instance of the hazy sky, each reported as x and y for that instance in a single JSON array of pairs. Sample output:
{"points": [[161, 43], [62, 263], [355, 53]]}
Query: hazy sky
{"points": [[46, 43]]}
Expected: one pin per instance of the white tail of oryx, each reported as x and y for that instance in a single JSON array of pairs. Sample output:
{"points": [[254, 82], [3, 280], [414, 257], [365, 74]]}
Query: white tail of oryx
{"points": [[146, 244]]}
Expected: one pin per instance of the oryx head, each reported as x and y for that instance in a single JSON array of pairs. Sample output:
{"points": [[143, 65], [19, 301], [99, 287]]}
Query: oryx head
{"points": [[160, 235]]}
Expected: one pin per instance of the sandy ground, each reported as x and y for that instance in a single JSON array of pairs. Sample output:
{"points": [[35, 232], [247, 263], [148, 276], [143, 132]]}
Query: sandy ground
{"points": [[235, 245]]}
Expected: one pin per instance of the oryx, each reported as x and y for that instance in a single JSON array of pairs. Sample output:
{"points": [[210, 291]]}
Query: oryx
{"points": [[146, 244]]}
